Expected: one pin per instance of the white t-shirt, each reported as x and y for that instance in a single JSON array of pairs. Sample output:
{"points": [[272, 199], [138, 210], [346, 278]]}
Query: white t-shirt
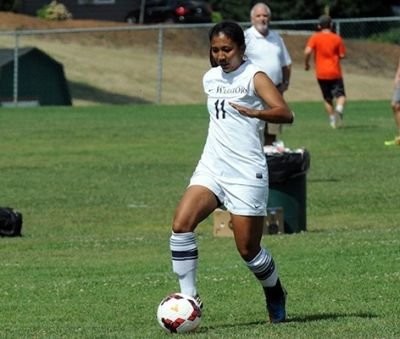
{"points": [[234, 145], [268, 52]]}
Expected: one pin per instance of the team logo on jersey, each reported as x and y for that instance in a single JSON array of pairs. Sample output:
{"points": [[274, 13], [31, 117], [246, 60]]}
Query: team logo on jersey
{"points": [[229, 90]]}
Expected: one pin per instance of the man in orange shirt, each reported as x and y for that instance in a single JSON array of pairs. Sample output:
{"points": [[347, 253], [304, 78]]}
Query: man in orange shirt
{"points": [[328, 49]]}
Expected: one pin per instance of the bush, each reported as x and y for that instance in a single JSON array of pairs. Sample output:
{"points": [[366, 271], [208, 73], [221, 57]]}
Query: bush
{"points": [[391, 36], [216, 17], [54, 11]]}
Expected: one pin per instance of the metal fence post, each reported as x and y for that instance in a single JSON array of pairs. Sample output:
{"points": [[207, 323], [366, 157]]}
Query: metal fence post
{"points": [[160, 62], [15, 82]]}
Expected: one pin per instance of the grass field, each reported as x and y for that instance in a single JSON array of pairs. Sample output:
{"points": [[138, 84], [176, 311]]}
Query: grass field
{"points": [[98, 186]]}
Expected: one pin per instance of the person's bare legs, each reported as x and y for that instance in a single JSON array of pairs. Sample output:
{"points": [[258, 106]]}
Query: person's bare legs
{"points": [[339, 107], [396, 115], [196, 204], [248, 232], [331, 113]]}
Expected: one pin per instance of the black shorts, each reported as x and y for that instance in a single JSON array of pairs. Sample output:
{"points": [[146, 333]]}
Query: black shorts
{"points": [[332, 88]]}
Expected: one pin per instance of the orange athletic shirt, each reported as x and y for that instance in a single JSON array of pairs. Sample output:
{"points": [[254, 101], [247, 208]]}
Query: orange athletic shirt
{"points": [[328, 48]]}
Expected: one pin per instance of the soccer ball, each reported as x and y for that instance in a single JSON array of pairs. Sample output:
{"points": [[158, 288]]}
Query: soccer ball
{"points": [[178, 313]]}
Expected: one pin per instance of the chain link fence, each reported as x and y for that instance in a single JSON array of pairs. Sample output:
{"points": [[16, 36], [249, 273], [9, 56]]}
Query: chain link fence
{"points": [[165, 63]]}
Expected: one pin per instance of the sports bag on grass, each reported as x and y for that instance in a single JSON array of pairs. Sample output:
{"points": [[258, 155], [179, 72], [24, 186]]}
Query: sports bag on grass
{"points": [[10, 222]]}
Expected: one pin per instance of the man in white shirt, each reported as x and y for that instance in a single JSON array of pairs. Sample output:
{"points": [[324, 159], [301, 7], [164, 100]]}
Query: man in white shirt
{"points": [[266, 49]]}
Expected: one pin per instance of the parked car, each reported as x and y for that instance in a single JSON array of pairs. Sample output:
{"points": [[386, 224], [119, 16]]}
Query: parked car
{"points": [[180, 11]]}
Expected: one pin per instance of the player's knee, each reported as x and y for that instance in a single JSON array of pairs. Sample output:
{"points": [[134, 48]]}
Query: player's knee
{"points": [[247, 252], [395, 106], [181, 225]]}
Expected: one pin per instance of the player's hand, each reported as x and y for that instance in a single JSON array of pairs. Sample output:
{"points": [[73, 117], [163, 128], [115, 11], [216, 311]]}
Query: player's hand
{"points": [[252, 113]]}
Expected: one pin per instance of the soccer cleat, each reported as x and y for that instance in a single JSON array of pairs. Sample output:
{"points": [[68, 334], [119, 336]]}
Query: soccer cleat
{"points": [[389, 143], [277, 309], [198, 301], [338, 120], [395, 141], [333, 121]]}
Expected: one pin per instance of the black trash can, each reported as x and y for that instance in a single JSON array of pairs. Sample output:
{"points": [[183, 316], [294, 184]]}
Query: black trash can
{"points": [[288, 187]]}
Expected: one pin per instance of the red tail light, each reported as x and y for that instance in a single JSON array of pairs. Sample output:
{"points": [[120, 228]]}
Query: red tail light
{"points": [[181, 11]]}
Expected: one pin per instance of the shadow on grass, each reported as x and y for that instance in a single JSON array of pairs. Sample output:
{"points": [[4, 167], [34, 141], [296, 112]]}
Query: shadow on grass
{"points": [[81, 91], [323, 180], [354, 127], [294, 319], [328, 316]]}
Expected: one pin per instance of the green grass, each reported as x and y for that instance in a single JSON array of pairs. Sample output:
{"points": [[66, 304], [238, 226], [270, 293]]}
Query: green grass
{"points": [[98, 188]]}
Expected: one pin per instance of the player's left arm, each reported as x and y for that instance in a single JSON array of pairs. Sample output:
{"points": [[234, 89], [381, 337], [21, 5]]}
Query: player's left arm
{"points": [[277, 112], [286, 62], [342, 49]]}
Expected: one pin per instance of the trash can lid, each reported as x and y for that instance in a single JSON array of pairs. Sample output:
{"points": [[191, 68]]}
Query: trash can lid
{"points": [[288, 164]]}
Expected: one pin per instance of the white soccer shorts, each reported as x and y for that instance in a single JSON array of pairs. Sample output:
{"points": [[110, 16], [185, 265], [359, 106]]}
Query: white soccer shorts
{"points": [[237, 198]]}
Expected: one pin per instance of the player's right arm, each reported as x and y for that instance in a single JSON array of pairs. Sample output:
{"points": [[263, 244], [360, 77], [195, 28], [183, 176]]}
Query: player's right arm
{"points": [[307, 55], [277, 110]]}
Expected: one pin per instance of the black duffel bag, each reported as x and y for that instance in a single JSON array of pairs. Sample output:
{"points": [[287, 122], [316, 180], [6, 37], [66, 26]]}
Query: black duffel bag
{"points": [[10, 222]]}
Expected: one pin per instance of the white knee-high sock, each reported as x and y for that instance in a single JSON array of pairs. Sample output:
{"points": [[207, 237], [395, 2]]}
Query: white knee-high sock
{"points": [[184, 260], [339, 108], [263, 267]]}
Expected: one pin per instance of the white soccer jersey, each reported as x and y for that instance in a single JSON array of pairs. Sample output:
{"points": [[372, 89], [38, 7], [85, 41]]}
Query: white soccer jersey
{"points": [[267, 52], [234, 146]]}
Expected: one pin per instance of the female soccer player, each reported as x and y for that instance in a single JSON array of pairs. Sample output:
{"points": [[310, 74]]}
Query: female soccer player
{"points": [[232, 170]]}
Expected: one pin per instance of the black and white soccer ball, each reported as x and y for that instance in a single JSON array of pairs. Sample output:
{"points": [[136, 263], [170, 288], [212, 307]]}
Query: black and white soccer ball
{"points": [[178, 313]]}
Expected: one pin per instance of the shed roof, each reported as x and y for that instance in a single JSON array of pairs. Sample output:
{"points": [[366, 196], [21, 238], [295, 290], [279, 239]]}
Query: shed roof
{"points": [[7, 54]]}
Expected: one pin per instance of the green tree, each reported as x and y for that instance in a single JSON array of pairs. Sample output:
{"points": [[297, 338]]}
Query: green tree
{"points": [[359, 8], [9, 5], [237, 10], [304, 9]]}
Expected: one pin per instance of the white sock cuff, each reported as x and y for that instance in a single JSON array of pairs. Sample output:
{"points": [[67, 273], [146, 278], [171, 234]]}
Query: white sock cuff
{"points": [[339, 108], [182, 241], [263, 266], [186, 235], [258, 259]]}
